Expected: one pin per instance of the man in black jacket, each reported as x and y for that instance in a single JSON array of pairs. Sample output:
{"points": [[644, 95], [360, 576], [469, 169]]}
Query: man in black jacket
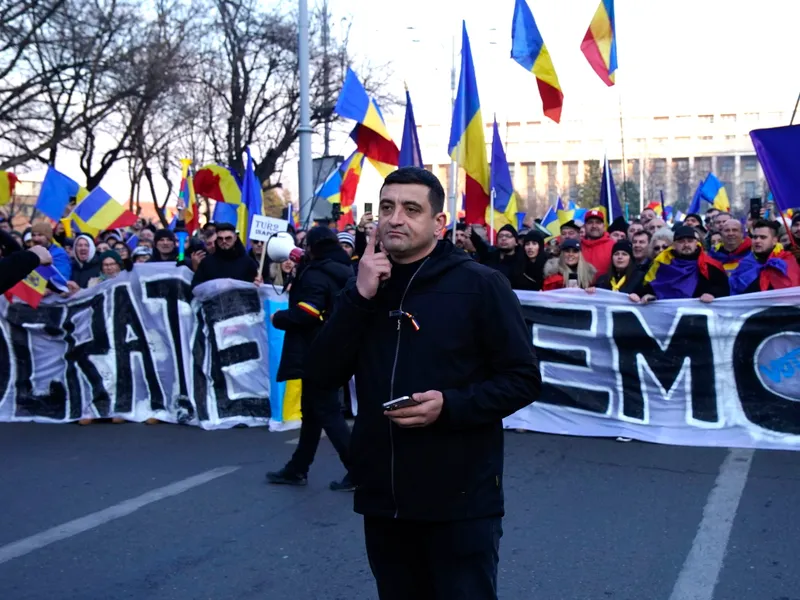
{"points": [[319, 279], [424, 320], [229, 260]]}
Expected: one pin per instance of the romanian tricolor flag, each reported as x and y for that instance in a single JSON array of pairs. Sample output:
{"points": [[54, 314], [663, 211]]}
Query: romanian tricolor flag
{"points": [[599, 45], [341, 185], [609, 199], [192, 215], [310, 309], [99, 211], [31, 290], [467, 143], [528, 49], [7, 182], [218, 183], [505, 198], [370, 135]]}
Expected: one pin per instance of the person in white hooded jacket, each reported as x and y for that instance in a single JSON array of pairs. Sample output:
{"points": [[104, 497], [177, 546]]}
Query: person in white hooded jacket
{"points": [[85, 264]]}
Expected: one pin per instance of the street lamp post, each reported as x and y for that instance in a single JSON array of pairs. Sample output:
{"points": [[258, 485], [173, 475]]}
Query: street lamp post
{"points": [[304, 131]]}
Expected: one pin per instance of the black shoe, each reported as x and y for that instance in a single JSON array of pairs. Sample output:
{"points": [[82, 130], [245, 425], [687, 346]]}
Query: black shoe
{"points": [[345, 485], [286, 477]]}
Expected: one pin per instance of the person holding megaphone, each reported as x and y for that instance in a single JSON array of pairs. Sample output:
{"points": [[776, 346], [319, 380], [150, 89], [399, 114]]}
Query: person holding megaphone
{"points": [[321, 274]]}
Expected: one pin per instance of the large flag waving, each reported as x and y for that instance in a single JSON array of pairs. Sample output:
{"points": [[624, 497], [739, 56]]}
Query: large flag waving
{"points": [[410, 153], [99, 212], [528, 49], [341, 186], [370, 135], [467, 143], [599, 45], [252, 197], [218, 183], [778, 151], [505, 198]]}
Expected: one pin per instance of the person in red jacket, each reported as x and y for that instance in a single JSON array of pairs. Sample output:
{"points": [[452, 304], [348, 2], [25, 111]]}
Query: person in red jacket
{"points": [[596, 246]]}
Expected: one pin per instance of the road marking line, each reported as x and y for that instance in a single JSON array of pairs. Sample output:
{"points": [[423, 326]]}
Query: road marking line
{"points": [[295, 441], [96, 519], [702, 567]]}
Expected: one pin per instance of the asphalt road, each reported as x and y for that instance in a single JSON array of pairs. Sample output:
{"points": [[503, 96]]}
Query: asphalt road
{"points": [[112, 512]]}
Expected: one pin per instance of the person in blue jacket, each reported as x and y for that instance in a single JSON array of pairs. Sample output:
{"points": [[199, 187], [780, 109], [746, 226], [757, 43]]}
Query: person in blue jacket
{"points": [[42, 235]]}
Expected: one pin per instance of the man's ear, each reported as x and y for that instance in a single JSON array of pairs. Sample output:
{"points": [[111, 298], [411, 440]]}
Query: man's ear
{"points": [[441, 224]]}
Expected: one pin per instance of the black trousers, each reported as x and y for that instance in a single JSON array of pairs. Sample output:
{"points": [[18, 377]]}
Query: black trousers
{"points": [[413, 560], [321, 411]]}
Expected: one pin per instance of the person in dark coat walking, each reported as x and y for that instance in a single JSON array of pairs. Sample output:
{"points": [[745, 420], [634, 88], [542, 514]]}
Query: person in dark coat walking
{"points": [[228, 261], [423, 320], [324, 272]]}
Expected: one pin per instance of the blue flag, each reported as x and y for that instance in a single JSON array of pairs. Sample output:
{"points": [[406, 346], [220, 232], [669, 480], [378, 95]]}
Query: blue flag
{"points": [[56, 191], [410, 153], [778, 151], [251, 193]]}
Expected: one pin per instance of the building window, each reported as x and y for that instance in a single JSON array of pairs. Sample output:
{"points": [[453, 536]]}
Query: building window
{"points": [[682, 138], [730, 138], [729, 118], [706, 138], [638, 140], [749, 189], [512, 171], [683, 117], [530, 173], [533, 123], [706, 118], [428, 168], [661, 119], [749, 163], [660, 140], [751, 116]]}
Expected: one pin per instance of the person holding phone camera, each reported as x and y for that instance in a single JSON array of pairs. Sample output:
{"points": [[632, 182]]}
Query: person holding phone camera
{"points": [[441, 354]]}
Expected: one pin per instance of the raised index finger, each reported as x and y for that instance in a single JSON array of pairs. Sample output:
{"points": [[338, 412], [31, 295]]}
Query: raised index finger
{"points": [[370, 249]]}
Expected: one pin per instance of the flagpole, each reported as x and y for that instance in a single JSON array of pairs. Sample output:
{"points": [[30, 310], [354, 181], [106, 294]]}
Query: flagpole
{"points": [[608, 192], [453, 163], [794, 112], [306, 183], [491, 216]]}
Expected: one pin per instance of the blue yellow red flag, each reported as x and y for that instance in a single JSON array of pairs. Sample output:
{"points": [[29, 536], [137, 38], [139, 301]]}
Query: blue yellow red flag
{"points": [[599, 45]]}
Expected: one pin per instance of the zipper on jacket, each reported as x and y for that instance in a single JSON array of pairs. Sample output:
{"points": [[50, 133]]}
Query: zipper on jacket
{"points": [[391, 382]]}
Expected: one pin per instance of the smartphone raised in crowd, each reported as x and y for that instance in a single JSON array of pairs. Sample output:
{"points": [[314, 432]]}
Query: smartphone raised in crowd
{"points": [[755, 208], [402, 402], [367, 207]]}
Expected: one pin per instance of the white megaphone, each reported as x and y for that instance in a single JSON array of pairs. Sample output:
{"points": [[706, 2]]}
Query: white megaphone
{"points": [[280, 247]]}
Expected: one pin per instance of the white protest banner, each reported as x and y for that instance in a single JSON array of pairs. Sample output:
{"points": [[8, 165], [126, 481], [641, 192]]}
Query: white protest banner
{"points": [[674, 372], [262, 228], [139, 346]]}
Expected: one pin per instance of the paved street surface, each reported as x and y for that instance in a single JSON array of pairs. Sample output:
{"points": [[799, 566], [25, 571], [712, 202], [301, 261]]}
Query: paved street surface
{"points": [[112, 512]]}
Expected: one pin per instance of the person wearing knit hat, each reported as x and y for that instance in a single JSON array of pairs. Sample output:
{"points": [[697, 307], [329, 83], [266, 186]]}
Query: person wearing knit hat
{"points": [[166, 246], [141, 254], [347, 241], [111, 265], [42, 235], [618, 230], [570, 230], [506, 256], [623, 276]]}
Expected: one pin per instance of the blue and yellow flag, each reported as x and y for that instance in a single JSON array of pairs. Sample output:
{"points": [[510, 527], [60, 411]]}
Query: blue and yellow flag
{"points": [[505, 198]]}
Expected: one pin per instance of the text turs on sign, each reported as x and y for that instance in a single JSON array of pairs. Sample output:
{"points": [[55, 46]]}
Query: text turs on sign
{"points": [[264, 227]]}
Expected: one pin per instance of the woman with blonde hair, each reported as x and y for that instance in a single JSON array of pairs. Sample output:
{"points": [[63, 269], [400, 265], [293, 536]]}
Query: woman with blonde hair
{"points": [[569, 270]]}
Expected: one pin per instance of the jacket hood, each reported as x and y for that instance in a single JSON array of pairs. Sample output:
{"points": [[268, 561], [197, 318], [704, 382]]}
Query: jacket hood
{"points": [[551, 267], [332, 260], [92, 249]]}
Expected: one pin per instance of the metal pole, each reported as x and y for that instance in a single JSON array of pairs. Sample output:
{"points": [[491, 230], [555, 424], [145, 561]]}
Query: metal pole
{"points": [[306, 184], [326, 69], [624, 162], [492, 197], [794, 112], [609, 217], [453, 163]]}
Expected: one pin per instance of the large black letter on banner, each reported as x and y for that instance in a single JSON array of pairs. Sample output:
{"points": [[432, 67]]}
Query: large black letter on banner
{"points": [[691, 339], [219, 308], [198, 369], [52, 405], [78, 355], [573, 396], [761, 406], [173, 291], [125, 317]]}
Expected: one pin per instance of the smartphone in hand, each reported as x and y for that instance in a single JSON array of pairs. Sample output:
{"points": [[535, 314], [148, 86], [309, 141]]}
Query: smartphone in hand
{"points": [[402, 402]]}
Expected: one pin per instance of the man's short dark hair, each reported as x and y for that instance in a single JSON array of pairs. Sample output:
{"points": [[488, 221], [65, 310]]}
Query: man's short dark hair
{"points": [[762, 223], [408, 175], [643, 232]]}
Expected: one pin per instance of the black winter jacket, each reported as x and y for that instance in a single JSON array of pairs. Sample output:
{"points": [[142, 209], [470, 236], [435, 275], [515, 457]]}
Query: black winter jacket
{"points": [[230, 264], [632, 285], [472, 344], [311, 299], [16, 267]]}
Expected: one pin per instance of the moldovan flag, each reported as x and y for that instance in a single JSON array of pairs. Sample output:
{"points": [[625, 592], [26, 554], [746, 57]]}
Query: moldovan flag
{"points": [[528, 49], [467, 143], [192, 215], [599, 45], [31, 289]]}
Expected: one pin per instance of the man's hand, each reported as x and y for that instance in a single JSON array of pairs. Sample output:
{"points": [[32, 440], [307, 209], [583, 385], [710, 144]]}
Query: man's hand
{"points": [[707, 298], [365, 218], [373, 268], [43, 254], [648, 298], [422, 415], [197, 258], [73, 287], [634, 298], [259, 280], [591, 290]]}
